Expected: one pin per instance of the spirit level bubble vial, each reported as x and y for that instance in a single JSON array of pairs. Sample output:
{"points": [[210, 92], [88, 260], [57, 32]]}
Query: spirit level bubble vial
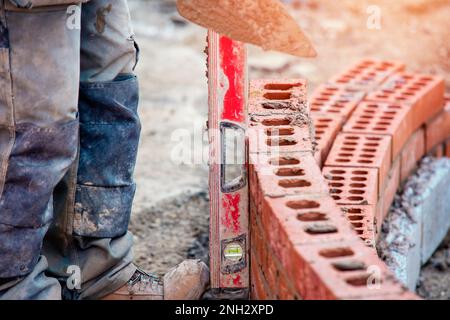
{"points": [[227, 124]]}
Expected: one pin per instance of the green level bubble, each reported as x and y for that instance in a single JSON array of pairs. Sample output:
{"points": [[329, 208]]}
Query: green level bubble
{"points": [[233, 252]]}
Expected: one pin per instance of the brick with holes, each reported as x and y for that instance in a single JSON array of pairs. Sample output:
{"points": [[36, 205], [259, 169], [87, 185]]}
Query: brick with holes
{"points": [[294, 220], [272, 97], [257, 237], [387, 195], [259, 87], [334, 100], [286, 290], [438, 129], [271, 271], [438, 151], [378, 118], [304, 178], [259, 287], [362, 219], [362, 151], [352, 186], [412, 152], [367, 74], [424, 93], [254, 187], [279, 134], [318, 157], [447, 148], [282, 160], [302, 220], [258, 248], [326, 129], [341, 270], [264, 164], [263, 258]]}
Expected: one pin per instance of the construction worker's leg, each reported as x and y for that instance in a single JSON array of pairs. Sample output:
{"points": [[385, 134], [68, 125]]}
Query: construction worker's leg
{"points": [[39, 73], [99, 193]]}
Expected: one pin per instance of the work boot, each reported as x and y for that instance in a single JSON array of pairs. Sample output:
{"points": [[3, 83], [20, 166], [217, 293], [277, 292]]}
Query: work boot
{"points": [[187, 281]]}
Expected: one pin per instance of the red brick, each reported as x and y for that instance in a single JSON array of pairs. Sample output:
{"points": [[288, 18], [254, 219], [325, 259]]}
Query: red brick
{"points": [[438, 129], [352, 186], [362, 151], [270, 272], [254, 279], [424, 93], [388, 194], [395, 120], [285, 290], [447, 148], [318, 157], [438, 151], [278, 134], [255, 198], [413, 151], [257, 242], [292, 223], [303, 178], [271, 97], [363, 220], [263, 164], [342, 270], [258, 87], [259, 288], [284, 229], [302, 220], [334, 100], [276, 237], [367, 74], [264, 259], [326, 129]]}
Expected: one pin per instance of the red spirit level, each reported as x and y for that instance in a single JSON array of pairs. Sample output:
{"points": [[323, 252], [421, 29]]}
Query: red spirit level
{"points": [[227, 123]]}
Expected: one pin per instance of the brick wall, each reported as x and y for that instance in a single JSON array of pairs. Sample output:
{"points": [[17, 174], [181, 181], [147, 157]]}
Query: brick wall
{"points": [[367, 127]]}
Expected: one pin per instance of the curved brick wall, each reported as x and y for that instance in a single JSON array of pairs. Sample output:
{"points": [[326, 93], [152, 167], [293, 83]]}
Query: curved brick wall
{"points": [[317, 187]]}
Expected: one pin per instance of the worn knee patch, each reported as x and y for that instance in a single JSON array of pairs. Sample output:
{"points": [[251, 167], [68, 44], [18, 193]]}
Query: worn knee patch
{"points": [[109, 138], [102, 212], [38, 161]]}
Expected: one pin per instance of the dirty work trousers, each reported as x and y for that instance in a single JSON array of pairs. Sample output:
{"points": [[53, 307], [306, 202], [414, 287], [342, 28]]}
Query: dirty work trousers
{"points": [[69, 133]]}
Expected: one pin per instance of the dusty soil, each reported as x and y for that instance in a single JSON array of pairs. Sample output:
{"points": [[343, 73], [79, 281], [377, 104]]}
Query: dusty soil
{"points": [[434, 282], [170, 231], [170, 217]]}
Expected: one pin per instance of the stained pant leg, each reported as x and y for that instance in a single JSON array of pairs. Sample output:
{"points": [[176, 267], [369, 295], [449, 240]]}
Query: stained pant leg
{"points": [[34, 286], [39, 76], [94, 201]]}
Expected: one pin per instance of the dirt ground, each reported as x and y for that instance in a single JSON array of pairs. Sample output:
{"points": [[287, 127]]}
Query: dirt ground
{"points": [[434, 281], [170, 218]]}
